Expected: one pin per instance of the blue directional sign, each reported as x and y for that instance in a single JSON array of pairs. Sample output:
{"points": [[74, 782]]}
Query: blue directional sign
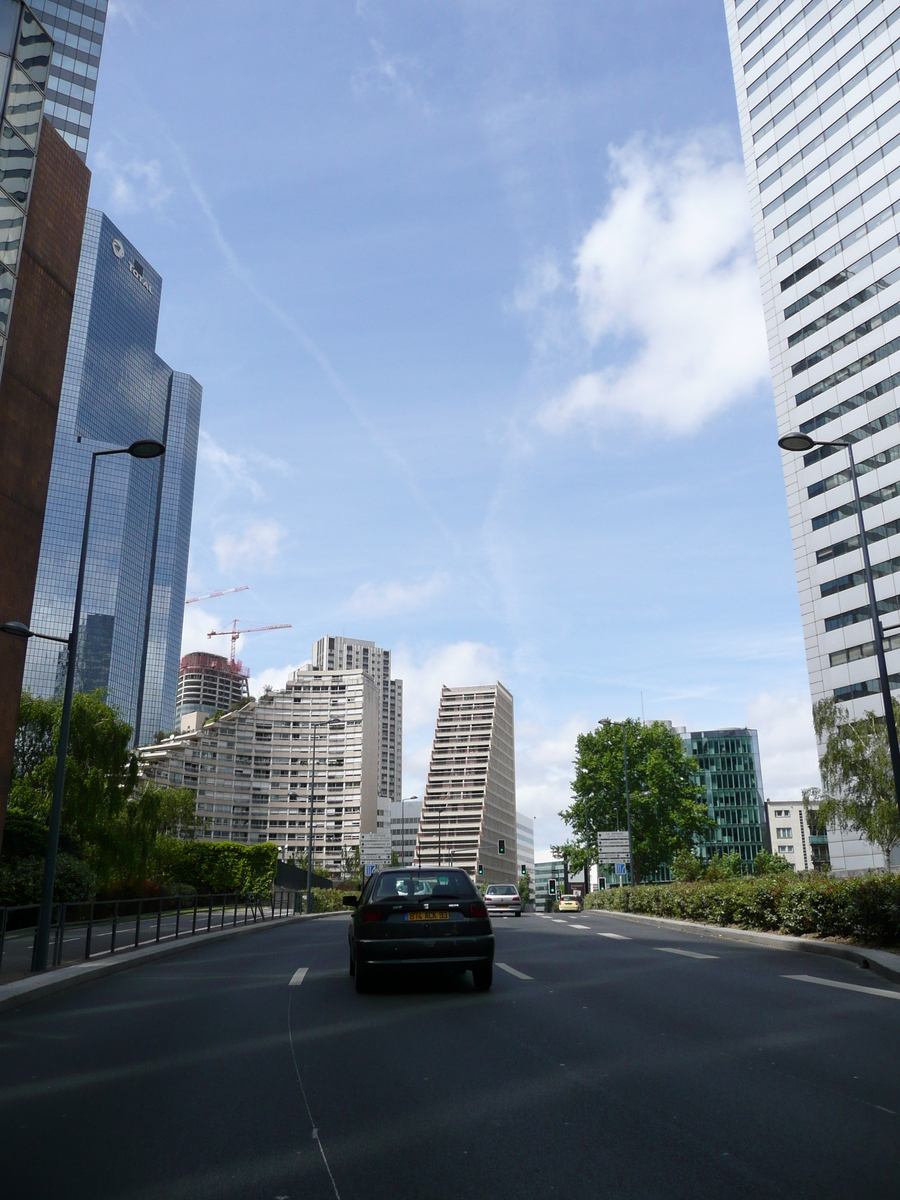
{"points": [[621, 868]]}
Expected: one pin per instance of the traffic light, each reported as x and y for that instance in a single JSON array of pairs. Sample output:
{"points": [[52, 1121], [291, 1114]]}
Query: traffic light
{"points": [[551, 886], [601, 884], [480, 869], [501, 846], [524, 869]]}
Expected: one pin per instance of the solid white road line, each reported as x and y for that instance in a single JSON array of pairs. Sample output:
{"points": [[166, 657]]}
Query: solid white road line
{"points": [[298, 976], [512, 971], [686, 953], [849, 987], [620, 937]]}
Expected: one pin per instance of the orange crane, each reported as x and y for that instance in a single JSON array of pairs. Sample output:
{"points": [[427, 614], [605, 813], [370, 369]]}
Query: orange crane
{"points": [[234, 633], [212, 595]]}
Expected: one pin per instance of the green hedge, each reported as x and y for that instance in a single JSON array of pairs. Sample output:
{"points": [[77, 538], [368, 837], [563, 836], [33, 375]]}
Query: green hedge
{"points": [[866, 908], [326, 899], [209, 867], [21, 880]]}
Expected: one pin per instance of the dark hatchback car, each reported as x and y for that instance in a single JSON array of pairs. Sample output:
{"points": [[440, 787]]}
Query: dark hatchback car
{"points": [[410, 917]]}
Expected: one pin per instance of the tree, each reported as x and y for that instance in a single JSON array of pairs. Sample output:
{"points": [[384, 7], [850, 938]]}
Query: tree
{"points": [[770, 864], [112, 825], [666, 810], [857, 778], [524, 888]]}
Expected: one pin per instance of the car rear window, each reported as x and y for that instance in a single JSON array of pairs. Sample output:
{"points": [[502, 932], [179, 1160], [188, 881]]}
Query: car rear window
{"points": [[502, 889], [416, 885]]}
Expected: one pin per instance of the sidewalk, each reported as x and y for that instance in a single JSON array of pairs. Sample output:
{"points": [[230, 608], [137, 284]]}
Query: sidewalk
{"points": [[879, 962], [23, 991]]}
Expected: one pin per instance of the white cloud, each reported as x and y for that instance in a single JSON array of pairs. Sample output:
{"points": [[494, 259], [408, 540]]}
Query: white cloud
{"points": [[388, 73], [455, 665], [667, 292], [258, 546], [273, 677], [133, 186], [126, 9], [387, 599], [544, 279], [234, 470], [787, 744], [197, 624]]}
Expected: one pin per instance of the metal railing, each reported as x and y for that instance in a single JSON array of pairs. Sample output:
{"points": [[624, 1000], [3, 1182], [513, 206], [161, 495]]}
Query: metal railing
{"points": [[90, 929]]}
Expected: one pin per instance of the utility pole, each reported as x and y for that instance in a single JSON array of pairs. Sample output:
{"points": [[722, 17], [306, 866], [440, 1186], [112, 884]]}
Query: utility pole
{"points": [[628, 806]]}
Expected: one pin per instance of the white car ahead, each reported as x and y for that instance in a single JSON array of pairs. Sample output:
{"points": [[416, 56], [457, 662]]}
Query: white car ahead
{"points": [[503, 899]]}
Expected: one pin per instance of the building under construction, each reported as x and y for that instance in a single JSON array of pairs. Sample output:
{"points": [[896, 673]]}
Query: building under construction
{"points": [[207, 684]]}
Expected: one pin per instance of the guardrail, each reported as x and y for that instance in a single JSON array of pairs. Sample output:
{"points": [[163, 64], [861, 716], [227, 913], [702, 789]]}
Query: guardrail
{"points": [[90, 929]]}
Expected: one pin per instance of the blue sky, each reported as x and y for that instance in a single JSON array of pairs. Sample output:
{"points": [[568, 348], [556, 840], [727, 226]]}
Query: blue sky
{"points": [[471, 293]]}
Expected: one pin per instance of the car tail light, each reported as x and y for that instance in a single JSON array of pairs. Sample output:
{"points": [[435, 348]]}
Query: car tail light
{"points": [[371, 914], [478, 908]]}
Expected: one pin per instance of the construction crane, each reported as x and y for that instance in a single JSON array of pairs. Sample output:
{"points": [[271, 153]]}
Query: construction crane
{"points": [[234, 633], [212, 595]]}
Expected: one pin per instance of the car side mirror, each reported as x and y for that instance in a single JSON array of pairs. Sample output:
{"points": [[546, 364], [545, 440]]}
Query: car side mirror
{"points": [[351, 901]]}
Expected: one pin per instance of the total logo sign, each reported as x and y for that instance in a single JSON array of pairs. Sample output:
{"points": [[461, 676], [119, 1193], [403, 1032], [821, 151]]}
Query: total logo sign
{"points": [[135, 267]]}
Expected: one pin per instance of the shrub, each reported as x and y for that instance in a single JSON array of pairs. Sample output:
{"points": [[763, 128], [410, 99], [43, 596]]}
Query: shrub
{"points": [[866, 909], [22, 879], [326, 899], [211, 867]]}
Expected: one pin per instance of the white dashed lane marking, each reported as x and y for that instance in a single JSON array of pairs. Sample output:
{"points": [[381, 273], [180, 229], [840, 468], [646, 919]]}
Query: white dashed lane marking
{"points": [[619, 937], [580, 926], [686, 953], [513, 971], [849, 987], [298, 976], [559, 921]]}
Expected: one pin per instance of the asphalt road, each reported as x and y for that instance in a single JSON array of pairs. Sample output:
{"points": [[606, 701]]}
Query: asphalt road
{"points": [[657, 1063]]}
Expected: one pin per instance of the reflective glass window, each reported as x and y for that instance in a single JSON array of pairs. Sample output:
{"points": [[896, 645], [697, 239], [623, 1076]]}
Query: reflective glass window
{"points": [[16, 165], [11, 219], [34, 49], [23, 106], [9, 23], [7, 283]]}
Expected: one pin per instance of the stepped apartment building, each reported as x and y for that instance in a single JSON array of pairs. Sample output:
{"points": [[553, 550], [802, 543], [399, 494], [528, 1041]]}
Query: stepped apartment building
{"points": [[251, 769], [469, 806], [818, 92]]}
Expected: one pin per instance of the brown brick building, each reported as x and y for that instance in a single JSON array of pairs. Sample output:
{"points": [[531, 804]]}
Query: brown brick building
{"points": [[30, 390]]}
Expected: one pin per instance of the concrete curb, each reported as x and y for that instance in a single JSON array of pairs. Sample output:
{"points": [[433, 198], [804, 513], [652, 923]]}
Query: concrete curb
{"points": [[23, 991], [880, 962]]}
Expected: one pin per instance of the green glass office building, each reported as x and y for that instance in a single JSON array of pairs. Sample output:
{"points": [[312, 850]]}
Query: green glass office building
{"points": [[731, 778]]}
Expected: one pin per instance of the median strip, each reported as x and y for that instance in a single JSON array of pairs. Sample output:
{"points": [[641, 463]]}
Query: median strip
{"points": [[512, 971], [848, 987], [685, 953]]}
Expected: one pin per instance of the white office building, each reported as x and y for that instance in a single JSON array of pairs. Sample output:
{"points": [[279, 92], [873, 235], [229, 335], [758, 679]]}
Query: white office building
{"points": [[350, 654], [252, 769], [795, 835], [468, 815], [818, 91]]}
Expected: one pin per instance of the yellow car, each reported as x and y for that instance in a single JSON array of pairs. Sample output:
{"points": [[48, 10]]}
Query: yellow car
{"points": [[571, 902]]}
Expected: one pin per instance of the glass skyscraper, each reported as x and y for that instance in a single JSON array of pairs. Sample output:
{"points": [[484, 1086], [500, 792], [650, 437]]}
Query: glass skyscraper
{"points": [[731, 778], [116, 389], [77, 30]]}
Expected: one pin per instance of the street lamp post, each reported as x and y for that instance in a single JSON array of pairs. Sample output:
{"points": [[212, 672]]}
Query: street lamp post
{"points": [[799, 443], [314, 725], [145, 448]]}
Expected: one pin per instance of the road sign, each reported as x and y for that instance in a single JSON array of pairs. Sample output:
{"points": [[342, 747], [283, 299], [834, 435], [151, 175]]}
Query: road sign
{"points": [[621, 868], [370, 869], [614, 847], [375, 848]]}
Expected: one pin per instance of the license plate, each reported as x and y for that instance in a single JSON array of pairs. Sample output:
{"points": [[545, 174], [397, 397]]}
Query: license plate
{"points": [[427, 916]]}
